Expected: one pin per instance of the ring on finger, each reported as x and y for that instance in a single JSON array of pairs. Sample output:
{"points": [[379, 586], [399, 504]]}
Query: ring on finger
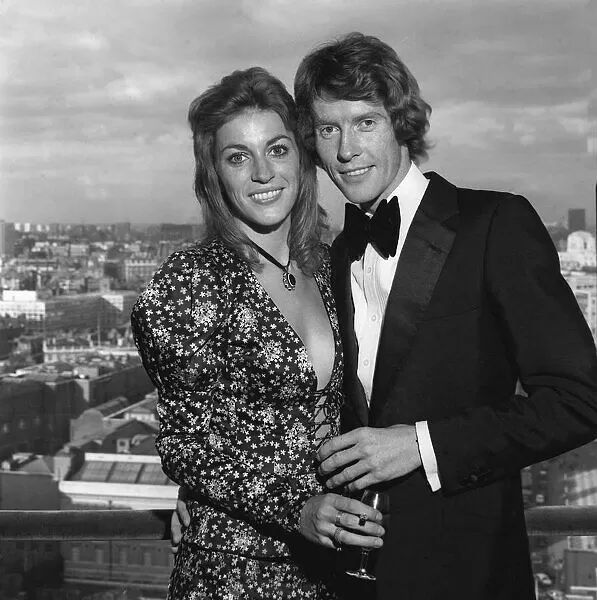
{"points": [[337, 522], [362, 520], [336, 537]]}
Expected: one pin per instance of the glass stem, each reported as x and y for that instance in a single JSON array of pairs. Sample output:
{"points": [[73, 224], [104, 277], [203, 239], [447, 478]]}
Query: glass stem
{"points": [[364, 558]]}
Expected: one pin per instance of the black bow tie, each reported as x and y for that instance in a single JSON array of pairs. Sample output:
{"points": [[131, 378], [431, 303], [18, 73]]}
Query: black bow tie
{"points": [[381, 230]]}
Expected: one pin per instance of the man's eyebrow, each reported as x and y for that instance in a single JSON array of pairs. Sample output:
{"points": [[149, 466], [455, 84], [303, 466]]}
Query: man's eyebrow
{"points": [[355, 119], [317, 122], [368, 115]]}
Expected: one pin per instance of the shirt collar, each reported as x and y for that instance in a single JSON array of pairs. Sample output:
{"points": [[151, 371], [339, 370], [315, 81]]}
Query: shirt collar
{"points": [[410, 190]]}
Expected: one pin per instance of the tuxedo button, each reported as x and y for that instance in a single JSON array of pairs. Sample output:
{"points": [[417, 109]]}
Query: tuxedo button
{"points": [[374, 318]]}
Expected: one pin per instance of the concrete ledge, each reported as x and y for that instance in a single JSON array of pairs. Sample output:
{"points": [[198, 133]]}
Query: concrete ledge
{"points": [[155, 524], [85, 524]]}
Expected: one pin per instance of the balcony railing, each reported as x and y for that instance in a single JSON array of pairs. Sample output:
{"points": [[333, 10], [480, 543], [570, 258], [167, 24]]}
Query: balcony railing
{"points": [[155, 524]]}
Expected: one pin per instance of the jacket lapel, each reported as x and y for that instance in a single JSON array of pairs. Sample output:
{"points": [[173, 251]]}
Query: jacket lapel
{"points": [[423, 255], [355, 412]]}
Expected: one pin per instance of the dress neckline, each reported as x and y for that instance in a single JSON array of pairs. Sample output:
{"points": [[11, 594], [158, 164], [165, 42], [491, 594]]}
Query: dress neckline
{"points": [[326, 304]]}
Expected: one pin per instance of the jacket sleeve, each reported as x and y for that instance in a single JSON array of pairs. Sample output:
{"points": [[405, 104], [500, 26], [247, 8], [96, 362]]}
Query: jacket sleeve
{"points": [[176, 321], [552, 348]]}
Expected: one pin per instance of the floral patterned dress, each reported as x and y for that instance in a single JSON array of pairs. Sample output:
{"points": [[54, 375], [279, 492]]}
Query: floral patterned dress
{"points": [[240, 422]]}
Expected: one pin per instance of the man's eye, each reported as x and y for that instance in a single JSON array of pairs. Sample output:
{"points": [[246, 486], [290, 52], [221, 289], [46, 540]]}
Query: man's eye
{"points": [[327, 131], [367, 123]]}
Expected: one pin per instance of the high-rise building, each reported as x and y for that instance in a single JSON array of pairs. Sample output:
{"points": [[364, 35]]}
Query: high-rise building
{"points": [[576, 219], [121, 230], [7, 238]]}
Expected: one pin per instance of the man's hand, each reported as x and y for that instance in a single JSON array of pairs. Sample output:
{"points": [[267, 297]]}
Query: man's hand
{"points": [[332, 520], [179, 520], [367, 456]]}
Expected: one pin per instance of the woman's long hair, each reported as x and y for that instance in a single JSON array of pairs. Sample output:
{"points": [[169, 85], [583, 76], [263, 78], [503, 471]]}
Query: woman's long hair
{"points": [[253, 88]]}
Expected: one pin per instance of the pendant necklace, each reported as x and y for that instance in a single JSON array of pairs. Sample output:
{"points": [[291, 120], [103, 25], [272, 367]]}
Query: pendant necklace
{"points": [[288, 279]]}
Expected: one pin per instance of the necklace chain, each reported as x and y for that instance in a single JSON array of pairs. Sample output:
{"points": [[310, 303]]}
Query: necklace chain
{"points": [[288, 279]]}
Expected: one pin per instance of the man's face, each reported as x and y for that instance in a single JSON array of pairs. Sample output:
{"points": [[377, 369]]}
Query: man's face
{"points": [[357, 148]]}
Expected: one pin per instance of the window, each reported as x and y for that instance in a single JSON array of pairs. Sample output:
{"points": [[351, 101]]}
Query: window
{"points": [[125, 472], [152, 474], [94, 471]]}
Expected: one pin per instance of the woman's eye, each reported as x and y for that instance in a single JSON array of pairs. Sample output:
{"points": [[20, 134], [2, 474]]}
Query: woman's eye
{"points": [[237, 159], [278, 150]]}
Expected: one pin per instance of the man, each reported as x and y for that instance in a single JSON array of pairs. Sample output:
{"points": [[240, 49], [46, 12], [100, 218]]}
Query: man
{"points": [[440, 318], [445, 298]]}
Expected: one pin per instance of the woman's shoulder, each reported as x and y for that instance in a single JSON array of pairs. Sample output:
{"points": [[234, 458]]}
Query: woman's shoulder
{"points": [[209, 257], [197, 270]]}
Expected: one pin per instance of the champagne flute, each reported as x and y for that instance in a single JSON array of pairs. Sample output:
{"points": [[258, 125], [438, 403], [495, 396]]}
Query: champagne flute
{"points": [[381, 502]]}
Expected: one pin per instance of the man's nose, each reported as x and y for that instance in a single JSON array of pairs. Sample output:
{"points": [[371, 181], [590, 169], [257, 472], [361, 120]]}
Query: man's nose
{"points": [[349, 147], [262, 171]]}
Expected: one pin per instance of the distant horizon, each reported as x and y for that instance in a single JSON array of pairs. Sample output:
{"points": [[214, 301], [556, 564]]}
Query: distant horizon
{"points": [[94, 96]]}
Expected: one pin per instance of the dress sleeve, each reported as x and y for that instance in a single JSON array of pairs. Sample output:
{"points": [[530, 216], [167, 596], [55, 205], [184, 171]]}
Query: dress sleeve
{"points": [[177, 325]]}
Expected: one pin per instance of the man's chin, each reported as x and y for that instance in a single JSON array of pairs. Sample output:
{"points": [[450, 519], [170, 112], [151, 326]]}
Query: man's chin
{"points": [[359, 199]]}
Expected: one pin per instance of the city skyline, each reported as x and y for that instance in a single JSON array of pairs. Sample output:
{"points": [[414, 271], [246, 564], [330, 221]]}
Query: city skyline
{"points": [[94, 97]]}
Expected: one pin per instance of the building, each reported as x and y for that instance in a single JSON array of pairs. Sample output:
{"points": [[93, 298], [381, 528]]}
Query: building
{"points": [[9, 332], [180, 231], [77, 311], [584, 287], [580, 252], [35, 413], [7, 239], [123, 472], [101, 381], [110, 464], [119, 305], [576, 219], [93, 380], [97, 284], [145, 410], [27, 482], [73, 349], [580, 568], [78, 250], [138, 270]]}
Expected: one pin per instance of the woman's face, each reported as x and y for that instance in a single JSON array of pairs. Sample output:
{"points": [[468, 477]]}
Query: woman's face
{"points": [[257, 161]]}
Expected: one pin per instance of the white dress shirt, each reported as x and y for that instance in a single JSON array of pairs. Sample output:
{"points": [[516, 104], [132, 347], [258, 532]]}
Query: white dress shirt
{"points": [[371, 281]]}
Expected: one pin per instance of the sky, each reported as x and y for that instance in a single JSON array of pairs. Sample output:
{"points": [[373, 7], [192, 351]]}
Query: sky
{"points": [[94, 95]]}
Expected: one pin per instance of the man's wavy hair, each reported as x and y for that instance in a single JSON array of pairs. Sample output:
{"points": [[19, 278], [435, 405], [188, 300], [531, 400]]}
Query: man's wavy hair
{"points": [[253, 89], [362, 67]]}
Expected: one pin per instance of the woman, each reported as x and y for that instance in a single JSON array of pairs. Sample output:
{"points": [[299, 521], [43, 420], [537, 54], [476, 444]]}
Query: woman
{"points": [[239, 335]]}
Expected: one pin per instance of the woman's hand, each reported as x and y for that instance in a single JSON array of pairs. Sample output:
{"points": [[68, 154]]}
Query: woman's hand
{"points": [[179, 520], [332, 520]]}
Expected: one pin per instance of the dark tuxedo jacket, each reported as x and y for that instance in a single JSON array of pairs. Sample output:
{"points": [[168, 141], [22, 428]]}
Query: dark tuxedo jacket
{"points": [[477, 303]]}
